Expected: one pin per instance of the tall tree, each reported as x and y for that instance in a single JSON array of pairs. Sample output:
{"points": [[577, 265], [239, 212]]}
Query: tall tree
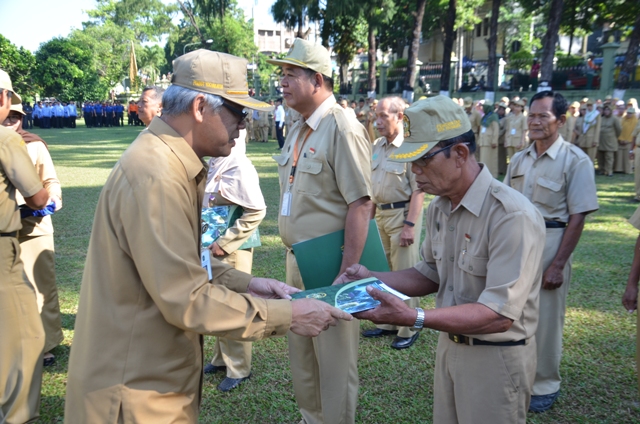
{"points": [[295, 13], [410, 76], [493, 46], [630, 60], [19, 64], [376, 13], [346, 34], [550, 41], [449, 36]]}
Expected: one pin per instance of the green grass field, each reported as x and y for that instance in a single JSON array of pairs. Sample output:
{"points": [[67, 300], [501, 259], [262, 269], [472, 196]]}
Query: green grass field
{"points": [[395, 386]]}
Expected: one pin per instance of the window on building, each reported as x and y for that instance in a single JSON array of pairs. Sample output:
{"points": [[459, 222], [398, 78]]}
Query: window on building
{"points": [[485, 24], [478, 30], [277, 33]]}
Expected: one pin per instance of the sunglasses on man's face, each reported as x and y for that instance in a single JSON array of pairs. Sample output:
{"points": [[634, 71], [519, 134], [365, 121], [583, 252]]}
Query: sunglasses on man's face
{"points": [[422, 162], [240, 113]]}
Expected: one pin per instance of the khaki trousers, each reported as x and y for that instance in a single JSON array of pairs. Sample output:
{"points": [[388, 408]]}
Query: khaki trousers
{"points": [[22, 339], [324, 368], [591, 152], [264, 133], [623, 163], [637, 171], [489, 156], [390, 225], [551, 321], [38, 257], [606, 159], [482, 384], [234, 354]]}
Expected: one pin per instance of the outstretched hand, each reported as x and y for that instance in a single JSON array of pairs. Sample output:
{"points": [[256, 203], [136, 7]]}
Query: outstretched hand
{"points": [[311, 317], [268, 288], [391, 310], [353, 273]]}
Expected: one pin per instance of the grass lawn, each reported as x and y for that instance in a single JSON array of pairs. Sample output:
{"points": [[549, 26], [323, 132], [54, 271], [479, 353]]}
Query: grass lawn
{"points": [[395, 386]]}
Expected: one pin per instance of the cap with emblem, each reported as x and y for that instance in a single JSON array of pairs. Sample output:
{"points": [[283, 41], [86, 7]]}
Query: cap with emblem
{"points": [[428, 122], [216, 73], [306, 54], [5, 84]]}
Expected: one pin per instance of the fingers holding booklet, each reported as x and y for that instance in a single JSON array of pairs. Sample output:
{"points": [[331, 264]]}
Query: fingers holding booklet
{"points": [[311, 317]]}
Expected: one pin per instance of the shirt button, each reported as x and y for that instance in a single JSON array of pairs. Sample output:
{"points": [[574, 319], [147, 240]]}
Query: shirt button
{"points": [[470, 268], [435, 253], [450, 288], [451, 258], [497, 189], [451, 228], [273, 333]]}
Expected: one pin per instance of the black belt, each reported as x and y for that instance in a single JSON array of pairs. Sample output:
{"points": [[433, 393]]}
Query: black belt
{"points": [[555, 224], [13, 234], [459, 338], [396, 205]]}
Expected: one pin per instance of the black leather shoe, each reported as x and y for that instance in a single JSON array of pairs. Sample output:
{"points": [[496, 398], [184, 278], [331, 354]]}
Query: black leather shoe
{"points": [[378, 332], [231, 383], [404, 342], [212, 369]]}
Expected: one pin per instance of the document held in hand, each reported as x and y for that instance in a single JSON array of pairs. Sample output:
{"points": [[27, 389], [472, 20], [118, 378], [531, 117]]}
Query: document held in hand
{"points": [[350, 297], [320, 258]]}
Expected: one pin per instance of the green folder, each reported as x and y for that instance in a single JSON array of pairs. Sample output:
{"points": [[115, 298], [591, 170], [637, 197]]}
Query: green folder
{"points": [[320, 258]]}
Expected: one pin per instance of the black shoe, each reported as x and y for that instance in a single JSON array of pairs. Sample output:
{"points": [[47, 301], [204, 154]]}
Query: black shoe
{"points": [[212, 369], [231, 383], [378, 332], [47, 362], [404, 342], [543, 402]]}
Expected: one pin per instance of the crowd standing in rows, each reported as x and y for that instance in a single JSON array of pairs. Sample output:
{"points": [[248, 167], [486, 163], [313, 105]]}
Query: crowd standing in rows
{"points": [[146, 298]]}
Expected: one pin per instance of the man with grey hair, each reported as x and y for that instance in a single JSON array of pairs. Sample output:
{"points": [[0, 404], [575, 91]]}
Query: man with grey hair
{"points": [[146, 296], [150, 104]]}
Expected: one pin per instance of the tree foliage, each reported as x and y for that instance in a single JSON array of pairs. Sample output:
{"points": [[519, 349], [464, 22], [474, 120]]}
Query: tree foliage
{"points": [[18, 63], [295, 13]]}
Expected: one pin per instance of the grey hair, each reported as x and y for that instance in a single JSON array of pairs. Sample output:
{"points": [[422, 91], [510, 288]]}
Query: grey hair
{"points": [[396, 103], [157, 92], [177, 100]]}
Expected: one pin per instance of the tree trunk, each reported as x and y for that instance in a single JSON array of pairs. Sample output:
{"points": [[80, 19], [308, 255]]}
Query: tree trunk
{"points": [[550, 41], [570, 42], [493, 46], [372, 58], [449, 34], [629, 65], [344, 76], [410, 76]]}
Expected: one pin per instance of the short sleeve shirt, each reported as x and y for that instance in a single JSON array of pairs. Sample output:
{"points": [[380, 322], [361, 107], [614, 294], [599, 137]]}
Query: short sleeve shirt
{"points": [[391, 181], [16, 172], [333, 170], [559, 183], [487, 251]]}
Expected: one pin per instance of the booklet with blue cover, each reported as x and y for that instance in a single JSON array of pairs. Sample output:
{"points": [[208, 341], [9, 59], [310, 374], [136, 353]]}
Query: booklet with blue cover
{"points": [[350, 297]]}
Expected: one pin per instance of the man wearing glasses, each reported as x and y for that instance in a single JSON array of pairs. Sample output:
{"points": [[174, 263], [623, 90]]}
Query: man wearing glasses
{"points": [[481, 255], [146, 299]]}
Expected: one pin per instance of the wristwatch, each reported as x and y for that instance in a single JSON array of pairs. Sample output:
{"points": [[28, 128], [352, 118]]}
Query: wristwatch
{"points": [[417, 326]]}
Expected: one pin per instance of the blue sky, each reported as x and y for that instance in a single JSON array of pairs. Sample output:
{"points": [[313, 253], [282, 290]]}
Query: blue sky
{"points": [[28, 24]]}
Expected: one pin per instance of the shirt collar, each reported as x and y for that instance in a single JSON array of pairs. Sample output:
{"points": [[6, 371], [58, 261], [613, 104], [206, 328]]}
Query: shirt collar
{"points": [[318, 114], [552, 151], [397, 142], [474, 198], [178, 145]]}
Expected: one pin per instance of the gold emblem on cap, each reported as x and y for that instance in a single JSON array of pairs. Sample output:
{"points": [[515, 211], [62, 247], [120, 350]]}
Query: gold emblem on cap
{"points": [[406, 125], [410, 154], [446, 126]]}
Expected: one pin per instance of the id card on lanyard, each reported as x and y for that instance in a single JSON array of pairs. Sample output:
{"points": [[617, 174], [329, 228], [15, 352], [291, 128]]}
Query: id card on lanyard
{"points": [[287, 196]]}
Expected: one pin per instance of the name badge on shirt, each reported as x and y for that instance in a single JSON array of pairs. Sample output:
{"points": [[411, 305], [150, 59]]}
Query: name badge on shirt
{"points": [[513, 131], [286, 204], [205, 259], [484, 130]]}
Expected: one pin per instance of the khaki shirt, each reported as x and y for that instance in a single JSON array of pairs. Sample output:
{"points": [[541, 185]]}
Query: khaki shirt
{"points": [[559, 183], [566, 131], [488, 250], [516, 129], [476, 121], [489, 135], [145, 299], [41, 225], [588, 139], [610, 129], [16, 172], [333, 170], [628, 126], [391, 181]]}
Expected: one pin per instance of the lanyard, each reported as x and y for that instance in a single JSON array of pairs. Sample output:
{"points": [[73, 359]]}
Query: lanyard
{"points": [[296, 154]]}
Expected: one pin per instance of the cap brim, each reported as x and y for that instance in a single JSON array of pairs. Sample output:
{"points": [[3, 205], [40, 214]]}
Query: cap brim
{"points": [[15, 98], [289, 61], [408, 152], [248, 102]]}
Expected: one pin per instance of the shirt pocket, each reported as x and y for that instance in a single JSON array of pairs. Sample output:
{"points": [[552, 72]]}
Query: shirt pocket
{"points": [[474, 274], [517, 183], [548, 192], [394, 171], [309, 177]]}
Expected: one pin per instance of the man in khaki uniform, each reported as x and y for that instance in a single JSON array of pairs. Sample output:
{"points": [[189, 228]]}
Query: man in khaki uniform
{"points": [[263, 125], [635, 143], [566, 131], [22, 332], [516, 130], [587, 131], [481, 255], [557, 177], [399, 205], [609, 131], [473, 115], [325, 186], [628, 123], [146, 299], [488, 140]]}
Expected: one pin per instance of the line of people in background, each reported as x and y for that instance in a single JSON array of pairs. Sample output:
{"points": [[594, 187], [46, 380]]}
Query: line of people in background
{"points": [[50, 114], [103, 114]]}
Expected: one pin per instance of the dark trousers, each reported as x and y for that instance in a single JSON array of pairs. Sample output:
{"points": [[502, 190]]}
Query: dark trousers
{"points": [[72, 121], [47, 122], [279, 133]]}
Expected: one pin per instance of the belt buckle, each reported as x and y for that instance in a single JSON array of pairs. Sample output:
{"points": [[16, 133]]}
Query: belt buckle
{"points": [[392, 206], [456, 339]]}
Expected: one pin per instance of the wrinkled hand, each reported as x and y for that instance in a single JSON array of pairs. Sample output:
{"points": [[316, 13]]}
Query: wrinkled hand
{"points": [[630, 298], [353, 273], [268, 288], [407, 236], [311, 317], [552, 278], [391, 310], [216, 250]]}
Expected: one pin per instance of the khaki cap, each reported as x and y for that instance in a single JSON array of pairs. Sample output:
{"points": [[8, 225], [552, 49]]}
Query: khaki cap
{"points": [[5, 83], [503, 104], [518, 102], [468, 101], [216, 73], [576, 105], [589, 101], [306, 54], [428, 122], [17, 108]]}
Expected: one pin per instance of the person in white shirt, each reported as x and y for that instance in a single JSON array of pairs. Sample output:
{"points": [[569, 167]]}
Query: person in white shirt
{"points": [[279, 118]]}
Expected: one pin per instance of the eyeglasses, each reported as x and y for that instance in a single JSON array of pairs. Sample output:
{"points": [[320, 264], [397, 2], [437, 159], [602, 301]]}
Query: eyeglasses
{"points": [[12, 119], [240, 113], [422, 162]]}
